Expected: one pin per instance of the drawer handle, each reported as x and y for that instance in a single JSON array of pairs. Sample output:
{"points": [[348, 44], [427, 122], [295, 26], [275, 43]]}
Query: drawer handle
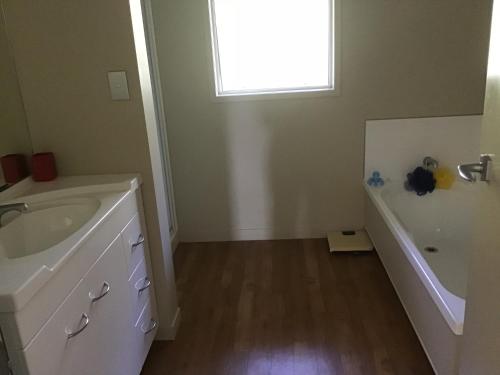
{"points": [[152, 326], [104, 290], [85, 319], [146, 285], [140, 241]]}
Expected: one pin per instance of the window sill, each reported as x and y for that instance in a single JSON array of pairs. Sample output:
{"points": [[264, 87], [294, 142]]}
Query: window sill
{"points": [[276, 95]]}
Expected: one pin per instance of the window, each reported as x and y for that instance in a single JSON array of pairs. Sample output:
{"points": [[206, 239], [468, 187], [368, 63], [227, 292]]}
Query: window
{"points": [[272, 46]]}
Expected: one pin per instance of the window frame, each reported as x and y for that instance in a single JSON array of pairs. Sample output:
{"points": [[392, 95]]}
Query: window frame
{"points": [[332, 89]]}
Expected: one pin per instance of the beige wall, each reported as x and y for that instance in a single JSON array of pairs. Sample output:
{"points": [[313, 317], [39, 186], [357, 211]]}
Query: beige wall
{"points": [[293, 167], [14, 135], [481, 341], [63, 51]]}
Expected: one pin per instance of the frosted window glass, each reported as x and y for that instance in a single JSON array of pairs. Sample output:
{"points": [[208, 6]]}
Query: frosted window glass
{"points": [[272, 45]]}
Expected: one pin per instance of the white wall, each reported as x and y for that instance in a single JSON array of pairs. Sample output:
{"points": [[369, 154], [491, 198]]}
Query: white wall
{"points": [[396, 147], [293, 167]]}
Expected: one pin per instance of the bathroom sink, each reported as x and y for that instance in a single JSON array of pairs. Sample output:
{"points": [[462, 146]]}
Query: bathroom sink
{"points": [[63, 219], [44, 225]]}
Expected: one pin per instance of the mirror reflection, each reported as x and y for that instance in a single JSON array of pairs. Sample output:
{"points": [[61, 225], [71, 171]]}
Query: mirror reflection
{"points": [[14, 132]]}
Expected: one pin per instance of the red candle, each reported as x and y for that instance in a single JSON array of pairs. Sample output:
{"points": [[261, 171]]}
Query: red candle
{"points": [[14, 168], [43, 166]]}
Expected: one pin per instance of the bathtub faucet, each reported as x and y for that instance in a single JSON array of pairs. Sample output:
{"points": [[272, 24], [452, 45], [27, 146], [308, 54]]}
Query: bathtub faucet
{"points": [[468, 171], [430, 163]]}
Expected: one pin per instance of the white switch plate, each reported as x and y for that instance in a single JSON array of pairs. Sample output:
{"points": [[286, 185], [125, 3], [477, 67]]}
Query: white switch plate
{"points": [[118, 85]]}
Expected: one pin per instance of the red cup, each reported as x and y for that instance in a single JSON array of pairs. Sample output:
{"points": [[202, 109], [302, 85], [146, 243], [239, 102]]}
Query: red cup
{"points": [[14, 168], [43, 166]]}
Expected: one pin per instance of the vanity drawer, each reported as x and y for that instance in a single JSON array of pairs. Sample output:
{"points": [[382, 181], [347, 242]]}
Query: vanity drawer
{"points": [[134, 242], [83, 335], [144, 333], [140, 289]]}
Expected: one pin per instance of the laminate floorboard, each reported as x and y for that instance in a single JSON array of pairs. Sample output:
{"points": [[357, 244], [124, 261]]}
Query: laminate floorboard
{"points": [[285, 307]]}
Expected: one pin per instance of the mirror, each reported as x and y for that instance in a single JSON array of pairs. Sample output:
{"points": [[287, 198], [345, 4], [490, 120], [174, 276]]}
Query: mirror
{"points": [[14, 132]]}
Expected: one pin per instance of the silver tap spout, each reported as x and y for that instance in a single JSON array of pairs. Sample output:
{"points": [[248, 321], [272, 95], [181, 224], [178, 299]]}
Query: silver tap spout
{"points": [[469, 172], [19, 207]]}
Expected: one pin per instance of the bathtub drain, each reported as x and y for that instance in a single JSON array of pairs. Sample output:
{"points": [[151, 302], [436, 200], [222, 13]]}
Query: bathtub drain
{"points": [[431, 249]]}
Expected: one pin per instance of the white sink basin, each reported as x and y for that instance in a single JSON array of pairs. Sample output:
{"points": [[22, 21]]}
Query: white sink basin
{"points": [[44, 225]]}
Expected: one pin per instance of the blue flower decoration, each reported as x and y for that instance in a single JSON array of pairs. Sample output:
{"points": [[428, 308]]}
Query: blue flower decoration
{"points": [[375, 180]]}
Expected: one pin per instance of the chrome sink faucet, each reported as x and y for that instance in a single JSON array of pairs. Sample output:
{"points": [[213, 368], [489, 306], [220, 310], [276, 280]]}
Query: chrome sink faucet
{"points": [[19, 207]]}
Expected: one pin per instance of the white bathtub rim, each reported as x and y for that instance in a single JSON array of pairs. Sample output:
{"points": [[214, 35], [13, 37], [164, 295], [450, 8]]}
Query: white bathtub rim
{"points": [[451, 306]]}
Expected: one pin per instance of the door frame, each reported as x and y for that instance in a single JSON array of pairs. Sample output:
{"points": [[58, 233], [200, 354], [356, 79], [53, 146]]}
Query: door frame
{"points": [[160, 117]]}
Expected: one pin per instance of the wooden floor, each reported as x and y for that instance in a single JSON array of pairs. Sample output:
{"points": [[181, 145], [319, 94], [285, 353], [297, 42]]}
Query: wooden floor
{"points": [[285, 307]]}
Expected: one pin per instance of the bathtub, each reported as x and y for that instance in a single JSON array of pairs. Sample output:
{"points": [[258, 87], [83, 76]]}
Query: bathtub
{"points": [[423, 243]]}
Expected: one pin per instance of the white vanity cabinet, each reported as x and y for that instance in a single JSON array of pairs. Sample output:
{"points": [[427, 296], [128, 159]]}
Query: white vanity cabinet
{"points": [[106, 323]]}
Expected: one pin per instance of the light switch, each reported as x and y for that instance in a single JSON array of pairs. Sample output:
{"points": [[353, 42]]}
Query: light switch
{"points": [[118, 85]]}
